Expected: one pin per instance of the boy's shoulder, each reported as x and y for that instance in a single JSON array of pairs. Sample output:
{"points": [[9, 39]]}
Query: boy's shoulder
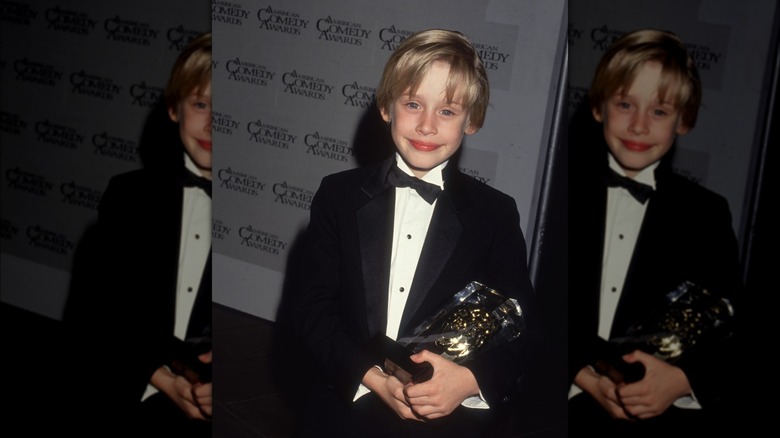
{"points": [[687, 191]]}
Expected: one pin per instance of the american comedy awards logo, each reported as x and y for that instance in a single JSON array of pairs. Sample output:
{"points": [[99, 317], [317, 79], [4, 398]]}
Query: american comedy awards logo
{"points": [[70, 21], [145, 95], [58, 135], [342, 31], [392, 37], [82, 196], [223, 123], [91, 85], [239, 182], [130, 31], [36, 72], [253, 237], [248, 73], [279, 20], [17, 12], [49, 240], [29, 182], [305, 85], [228, 13], [219, 231], [8, 230], [270, 135], [118, 148], [293, 196], [179, 37], [11, 123], [358, 95], [327, 147]]}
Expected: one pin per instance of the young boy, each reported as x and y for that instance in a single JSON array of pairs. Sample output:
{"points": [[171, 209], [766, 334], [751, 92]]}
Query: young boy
{"points": [[382, 257], [633, 248], [147, 280]]}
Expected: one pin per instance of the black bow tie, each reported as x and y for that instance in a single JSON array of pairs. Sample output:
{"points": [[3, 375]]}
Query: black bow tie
{"points": [[397, 178], [189, 179], [640, 191]]}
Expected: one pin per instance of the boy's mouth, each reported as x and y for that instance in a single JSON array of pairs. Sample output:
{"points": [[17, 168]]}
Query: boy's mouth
{"points": [[636, 146], [205, 144], [424, 145]]}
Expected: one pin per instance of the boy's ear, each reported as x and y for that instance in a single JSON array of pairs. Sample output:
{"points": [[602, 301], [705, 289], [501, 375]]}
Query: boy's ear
{"points": [[597, 114], [385, 115], [470, 129], [682, 129], [173, 114]]}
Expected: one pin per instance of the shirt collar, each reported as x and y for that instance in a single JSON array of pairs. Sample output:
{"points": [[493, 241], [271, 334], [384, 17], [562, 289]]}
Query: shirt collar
{"points": [[434, 176], [645, 176]]}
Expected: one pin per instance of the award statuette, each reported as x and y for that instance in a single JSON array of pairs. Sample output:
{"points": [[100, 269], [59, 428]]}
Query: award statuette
{"points": [[475, 319], [691, 315]]}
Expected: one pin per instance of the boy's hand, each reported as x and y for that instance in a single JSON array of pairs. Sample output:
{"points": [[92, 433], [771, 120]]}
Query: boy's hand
{"points": [[603, 390], [201, 392], [391, 391], [180, 391], [445, 391], [661, 386]]}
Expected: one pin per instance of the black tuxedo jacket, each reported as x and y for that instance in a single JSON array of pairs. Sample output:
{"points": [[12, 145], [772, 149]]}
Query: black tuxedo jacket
{"points": [[341, 303], [686, 235], [122, 300]]}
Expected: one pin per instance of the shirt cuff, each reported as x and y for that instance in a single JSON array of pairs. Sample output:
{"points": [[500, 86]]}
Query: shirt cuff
{"points": [[475, 402]]}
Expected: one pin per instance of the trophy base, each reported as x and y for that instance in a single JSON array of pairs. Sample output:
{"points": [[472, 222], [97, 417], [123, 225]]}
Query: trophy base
{"points": [[397, 363]]}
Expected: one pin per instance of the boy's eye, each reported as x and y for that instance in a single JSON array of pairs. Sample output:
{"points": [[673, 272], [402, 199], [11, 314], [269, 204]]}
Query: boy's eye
{"points": [[201, 105], [413, 105], [447, 112], [623, 104], [659, 113]]}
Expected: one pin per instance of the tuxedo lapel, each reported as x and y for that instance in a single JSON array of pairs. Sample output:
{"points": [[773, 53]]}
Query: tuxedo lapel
{"points": [[375, 234], [443, 234]]}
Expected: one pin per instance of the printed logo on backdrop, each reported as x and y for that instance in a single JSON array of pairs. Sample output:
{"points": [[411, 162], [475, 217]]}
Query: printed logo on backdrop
{"points": [[58, 135], [49, 240], [239, 182], [497, 58], [574, 34], [603, 37], [228, 12], [480, 165], [28, 182], [279, 20], [214, 64], [90, 85], [17, 12], [306, 86], [327, 147], [260, 240], [248, 73], [70, 21], [223, 123], [578, 96], [271, 135], [342, 31], [392, 37], [288, 194], [110, 146], [130, 31], [357, 95], [11, 123], [36, 72], [8, 230], [145, 95], [219, 231], [179, 37], [81, 196]]}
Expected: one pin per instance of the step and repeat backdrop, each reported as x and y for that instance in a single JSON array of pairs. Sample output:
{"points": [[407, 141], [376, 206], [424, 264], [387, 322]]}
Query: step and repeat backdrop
{"points": [[79, 82], [295, 84], [730, 42]]}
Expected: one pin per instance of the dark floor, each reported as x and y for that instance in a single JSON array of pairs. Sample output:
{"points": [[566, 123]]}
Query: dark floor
{"points": [[247, 401]]}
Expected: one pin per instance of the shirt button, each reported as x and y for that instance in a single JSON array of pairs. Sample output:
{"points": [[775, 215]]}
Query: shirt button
{"points": [[189, 289], [401, 289], [620, 236], [614, 289], [408, 236], [197, 236]]}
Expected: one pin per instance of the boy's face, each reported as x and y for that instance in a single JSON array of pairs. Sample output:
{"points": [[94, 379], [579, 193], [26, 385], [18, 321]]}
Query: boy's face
{"points": [[638, 128], [193, 114], [425, 128]]}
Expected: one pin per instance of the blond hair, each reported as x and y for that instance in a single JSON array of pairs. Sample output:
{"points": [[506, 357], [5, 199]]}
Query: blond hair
{"points": [[680, 83], [191, 72], [409, 64]]}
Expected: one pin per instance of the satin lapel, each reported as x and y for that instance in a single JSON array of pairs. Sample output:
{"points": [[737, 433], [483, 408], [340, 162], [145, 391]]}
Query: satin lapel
{"points": [[443, 235], [375, 234]]}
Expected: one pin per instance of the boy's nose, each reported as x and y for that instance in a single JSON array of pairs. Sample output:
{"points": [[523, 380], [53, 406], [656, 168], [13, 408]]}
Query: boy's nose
{"points": [[427, 124], [638, 124]]}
